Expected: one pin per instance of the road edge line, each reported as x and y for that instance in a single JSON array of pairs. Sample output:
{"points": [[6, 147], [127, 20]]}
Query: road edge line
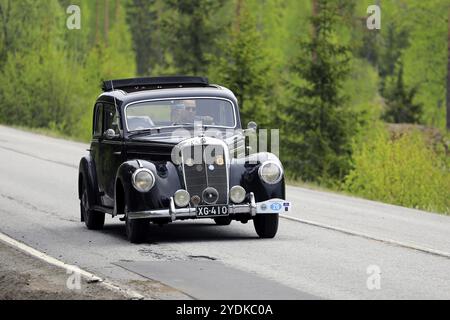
{"points": [[370, 237], [90, 277]]}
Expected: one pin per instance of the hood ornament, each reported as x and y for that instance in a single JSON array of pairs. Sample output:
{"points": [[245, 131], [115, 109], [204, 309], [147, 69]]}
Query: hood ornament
{"points": [[198, 129]]}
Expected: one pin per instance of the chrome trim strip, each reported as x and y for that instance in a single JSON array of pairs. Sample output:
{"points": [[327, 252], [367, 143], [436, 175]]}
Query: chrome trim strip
{"points": [[172, 210], [206, 172], [252, 204]]}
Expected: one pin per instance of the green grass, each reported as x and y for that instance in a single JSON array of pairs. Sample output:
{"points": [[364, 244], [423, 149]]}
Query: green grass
{"points": [[49, 133], [405, 170]]}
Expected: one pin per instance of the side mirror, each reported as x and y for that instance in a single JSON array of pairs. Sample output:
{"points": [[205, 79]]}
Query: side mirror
{"points": [[252, 126], [109, 134]]}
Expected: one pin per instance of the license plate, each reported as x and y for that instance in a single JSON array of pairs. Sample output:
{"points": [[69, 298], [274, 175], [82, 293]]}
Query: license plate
{"points": [[212, 211]]}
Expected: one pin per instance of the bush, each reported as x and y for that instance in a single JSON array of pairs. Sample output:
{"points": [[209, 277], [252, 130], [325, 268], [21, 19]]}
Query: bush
{"points": [[402, 170], [39, 90]]}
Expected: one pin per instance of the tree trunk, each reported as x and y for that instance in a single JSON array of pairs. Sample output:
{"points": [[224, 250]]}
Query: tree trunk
{"points": [[238, 15], [158, 33], [315, 31], [106, 22], [97, 22], [315, 12], [5, 14], [117, 10]]}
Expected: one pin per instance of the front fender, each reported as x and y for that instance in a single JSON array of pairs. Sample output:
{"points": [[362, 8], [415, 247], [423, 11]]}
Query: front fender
{"points": [[167, 182], [244, 172]]}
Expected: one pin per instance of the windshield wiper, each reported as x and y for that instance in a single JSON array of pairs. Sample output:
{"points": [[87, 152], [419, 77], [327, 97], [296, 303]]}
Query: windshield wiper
{"points": [[190, 124], [143, 131]]}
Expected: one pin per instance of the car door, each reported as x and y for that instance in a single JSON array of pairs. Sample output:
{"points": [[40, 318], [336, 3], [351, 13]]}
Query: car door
{"points": [[110, 154], [97, 133]]}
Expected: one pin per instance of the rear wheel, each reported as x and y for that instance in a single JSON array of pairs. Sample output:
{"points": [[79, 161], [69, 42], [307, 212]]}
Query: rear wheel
{"points": [[266, 225], [223, 221], [94, 220]]}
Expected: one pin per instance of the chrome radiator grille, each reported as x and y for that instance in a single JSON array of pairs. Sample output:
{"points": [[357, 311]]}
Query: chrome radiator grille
{"points": [[201, 171]]}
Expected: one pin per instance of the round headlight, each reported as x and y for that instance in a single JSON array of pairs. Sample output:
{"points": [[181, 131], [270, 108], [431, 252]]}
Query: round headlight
{"points": [[143, 180], [270, 172], [182, 198], [237, 194]]}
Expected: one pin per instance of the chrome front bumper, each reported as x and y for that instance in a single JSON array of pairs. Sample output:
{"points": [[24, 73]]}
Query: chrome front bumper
{"points": [[273, 206]]}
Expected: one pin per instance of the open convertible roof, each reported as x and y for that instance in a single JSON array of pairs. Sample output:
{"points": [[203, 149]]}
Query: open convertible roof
{"points": [[153, 83]]}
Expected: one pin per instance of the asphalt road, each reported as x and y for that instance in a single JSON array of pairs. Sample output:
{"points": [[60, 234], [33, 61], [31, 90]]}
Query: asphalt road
{"points": [[333, 247]]}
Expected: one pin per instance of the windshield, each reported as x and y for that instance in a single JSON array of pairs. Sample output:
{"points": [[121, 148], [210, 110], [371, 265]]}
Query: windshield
{"points": [[180, 112]]}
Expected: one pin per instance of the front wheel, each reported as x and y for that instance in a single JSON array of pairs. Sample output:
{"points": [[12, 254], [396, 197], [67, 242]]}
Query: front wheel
{"points": [[266, 225], [136, 229]]}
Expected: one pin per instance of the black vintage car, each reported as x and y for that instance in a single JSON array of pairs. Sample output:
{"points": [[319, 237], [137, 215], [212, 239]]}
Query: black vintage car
{"points": [[172, 148]]}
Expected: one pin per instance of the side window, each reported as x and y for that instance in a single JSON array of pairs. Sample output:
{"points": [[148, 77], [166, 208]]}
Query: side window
{"points": [[98, 120], [111, 118]]}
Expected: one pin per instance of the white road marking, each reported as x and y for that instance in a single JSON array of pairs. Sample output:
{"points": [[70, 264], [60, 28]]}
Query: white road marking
{"points": [[58, 263], [370, 237]]}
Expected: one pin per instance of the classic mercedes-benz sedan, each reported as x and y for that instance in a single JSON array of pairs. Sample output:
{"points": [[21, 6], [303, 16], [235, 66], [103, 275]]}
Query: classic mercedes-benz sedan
{"points": [[172, 148]]}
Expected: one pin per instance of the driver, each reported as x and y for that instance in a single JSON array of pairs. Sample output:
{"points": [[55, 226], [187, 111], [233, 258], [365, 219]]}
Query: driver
{"points": [[184, 111]]}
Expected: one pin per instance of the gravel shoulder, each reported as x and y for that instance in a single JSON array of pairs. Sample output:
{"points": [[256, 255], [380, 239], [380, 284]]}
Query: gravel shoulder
{"points": [[23, 277]]}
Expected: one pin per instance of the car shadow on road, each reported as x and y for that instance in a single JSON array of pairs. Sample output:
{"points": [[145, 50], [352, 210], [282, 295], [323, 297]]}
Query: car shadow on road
{"points": [[188, 232]]}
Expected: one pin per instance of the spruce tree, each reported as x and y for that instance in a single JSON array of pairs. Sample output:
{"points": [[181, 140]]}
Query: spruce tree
{"points": [[318, 125], [244, 66], [144, 18], [400, 105], [193, 27]]}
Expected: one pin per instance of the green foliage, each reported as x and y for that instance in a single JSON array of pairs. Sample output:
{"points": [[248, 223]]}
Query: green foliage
{"points": [[413, 34], [192, 29], [244, 66], [50, 76], [319, 126], [400, 105], [425, 60], [402, 171], [390, 54], [37, 87], [45, 96], [145, 20], [361, 87]]}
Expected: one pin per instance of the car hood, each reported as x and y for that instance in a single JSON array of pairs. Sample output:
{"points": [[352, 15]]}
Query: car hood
{"points": [[159, 146]]}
